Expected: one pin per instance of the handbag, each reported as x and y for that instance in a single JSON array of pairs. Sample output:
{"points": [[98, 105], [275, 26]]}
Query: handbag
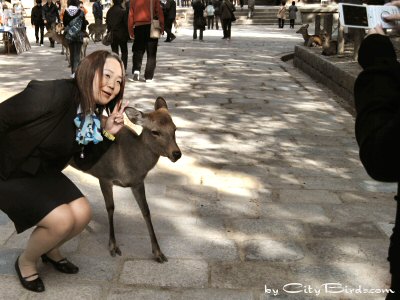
{"points": [[107, 39], [155, 28]]}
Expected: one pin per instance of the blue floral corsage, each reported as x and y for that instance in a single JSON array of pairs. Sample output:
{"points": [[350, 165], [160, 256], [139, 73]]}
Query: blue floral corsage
{"points": [[88, 129]]}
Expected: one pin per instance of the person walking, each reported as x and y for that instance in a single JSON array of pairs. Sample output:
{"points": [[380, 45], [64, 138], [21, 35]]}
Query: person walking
{"points": [[227, 17], [139, 23], [199, 22], [97, 10], [250, 5], [41, 133], [292, 13], [210, 15], [117, 23], [281, 14], [37, 21], [217, 12], [74, 18], [169, 19], [50, 18]]}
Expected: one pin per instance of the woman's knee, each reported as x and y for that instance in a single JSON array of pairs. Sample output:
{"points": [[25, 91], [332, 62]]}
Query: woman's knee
{"points": [[60, 221], [81, 211]]}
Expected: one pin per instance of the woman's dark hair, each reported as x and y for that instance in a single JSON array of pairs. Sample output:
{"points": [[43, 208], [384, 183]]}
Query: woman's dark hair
{"points": [[293, 2], [73, 3], [87, 69], [117, 2]]}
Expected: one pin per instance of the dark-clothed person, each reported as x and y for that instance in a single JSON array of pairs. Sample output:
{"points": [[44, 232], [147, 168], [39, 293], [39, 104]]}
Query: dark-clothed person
{"points": [[217, 12], [169, 18], [37, 21], [292, 13], [50, 17], [117, 23], [71, 12], [97, 10], [199, 22], [377, 129], [139, 23], [227, 10]]}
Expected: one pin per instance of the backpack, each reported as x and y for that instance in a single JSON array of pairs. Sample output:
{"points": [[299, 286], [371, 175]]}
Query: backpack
{"points": [[210, 10], [73, 32]]}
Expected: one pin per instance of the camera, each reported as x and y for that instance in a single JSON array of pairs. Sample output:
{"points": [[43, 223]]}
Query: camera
{"points": [[366, 16]]}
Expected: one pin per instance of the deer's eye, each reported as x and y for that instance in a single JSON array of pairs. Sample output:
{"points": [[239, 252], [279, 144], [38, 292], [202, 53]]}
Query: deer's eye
{"points": [[155, 133]]}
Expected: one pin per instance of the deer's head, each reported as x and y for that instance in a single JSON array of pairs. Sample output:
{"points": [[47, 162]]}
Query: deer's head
{"points": [[158, 129], [303, 29]]}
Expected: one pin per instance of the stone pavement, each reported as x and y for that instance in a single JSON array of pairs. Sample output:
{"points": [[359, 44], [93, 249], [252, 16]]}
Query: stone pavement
{"points": [[269, 190]]}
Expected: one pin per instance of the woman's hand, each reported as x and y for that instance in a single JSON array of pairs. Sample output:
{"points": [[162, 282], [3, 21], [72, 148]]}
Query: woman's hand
{"points": [[115, 121], [390, 18]]}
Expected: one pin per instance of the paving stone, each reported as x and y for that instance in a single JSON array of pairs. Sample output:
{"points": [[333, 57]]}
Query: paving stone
{"points": [[374, 186], [174, 273], [248, 275], [10, 288], [267, 229], [332, 184], [215, 294], [349, 230], [140, 294], [61, 290], [4, 219], [386, 227], [272, 250], [308, 213], [361, 212], [360, 197], [7, 260], [6, 231], [308, 196]]}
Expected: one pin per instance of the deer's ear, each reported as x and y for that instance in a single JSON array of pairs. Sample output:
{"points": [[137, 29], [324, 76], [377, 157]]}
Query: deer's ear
{"points": [[135, 116], [160, 103]]}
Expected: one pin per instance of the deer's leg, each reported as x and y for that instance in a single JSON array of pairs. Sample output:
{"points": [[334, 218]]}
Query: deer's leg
{"points": [[140, 197], [106, 189]]}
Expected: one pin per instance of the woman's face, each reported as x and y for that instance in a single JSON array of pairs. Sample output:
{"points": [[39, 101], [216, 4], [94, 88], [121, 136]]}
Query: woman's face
{"points": [[110, 84]]}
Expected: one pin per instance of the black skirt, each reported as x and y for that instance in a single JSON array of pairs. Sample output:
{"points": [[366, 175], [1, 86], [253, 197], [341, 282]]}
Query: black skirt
{"points": [[28, 199]]}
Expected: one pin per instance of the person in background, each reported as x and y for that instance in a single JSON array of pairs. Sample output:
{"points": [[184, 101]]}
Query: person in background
{"points": [[281, 14], [169, 19], [227, 10], [117, 23], [199, 22], [74, 12], [139, 23], [37, 21], [250, 4], [97, 10], [377, 127], [82, 7], [217, 12], [292, 13], [210, 15], [50, 17]]}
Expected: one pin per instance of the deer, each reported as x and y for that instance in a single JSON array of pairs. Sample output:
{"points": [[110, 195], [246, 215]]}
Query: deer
{"points": [[129, 159], [329, 47], [59, 37], [97, 29], [309, 40]]}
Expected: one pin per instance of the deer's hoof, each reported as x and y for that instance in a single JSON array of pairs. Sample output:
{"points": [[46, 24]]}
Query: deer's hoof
{"points": [[114, 251], [161, 258]]}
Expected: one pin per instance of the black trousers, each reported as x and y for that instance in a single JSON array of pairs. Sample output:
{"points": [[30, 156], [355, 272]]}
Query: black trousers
{"points": [[97, 36], [291, 23], [195, 33], [226, 27], [168, 28], [115, 45], [217, 18], [143, 43], [50, 26], [75, 55], [41, 27], [394, 252], [281, 22], [210, 22]]}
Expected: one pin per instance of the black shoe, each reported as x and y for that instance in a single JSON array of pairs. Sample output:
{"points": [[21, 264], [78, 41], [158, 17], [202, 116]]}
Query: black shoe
{"points": [[52, 45], [63, 265], [167, 41], [35, 285], [172, 38], [224, 38]]}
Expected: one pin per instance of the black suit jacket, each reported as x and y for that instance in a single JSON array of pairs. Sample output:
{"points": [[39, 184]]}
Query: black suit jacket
{"points": [[27, 120], [377, 101]]}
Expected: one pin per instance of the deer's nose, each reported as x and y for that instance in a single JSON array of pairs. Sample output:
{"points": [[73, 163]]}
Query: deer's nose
{"points": [[177, 155]]}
